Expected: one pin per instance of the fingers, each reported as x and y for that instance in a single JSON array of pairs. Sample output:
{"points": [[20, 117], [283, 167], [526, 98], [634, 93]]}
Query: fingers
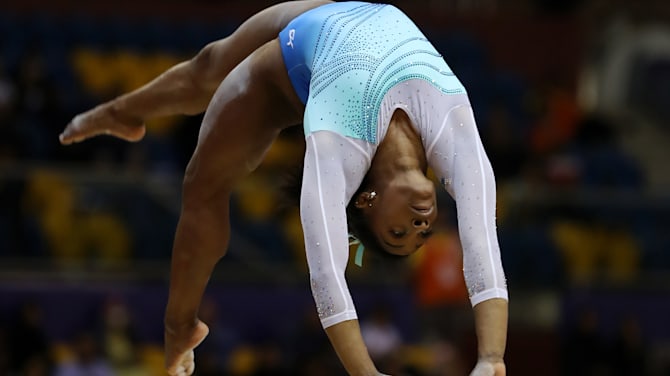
{"points": [[181, 371], [487, 368], [483, 369]]}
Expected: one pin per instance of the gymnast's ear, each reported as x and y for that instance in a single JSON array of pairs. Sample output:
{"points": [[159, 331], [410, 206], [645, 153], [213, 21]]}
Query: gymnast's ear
{"points": [[359, 201], [364, 199]]}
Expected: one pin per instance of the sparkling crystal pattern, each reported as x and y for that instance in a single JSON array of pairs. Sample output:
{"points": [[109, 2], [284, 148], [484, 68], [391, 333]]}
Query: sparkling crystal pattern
{"points": [[361, 53]]}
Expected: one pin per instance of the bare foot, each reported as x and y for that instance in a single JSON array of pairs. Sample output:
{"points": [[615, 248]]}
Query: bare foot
{"points": [[179, 357], [101, 120]]}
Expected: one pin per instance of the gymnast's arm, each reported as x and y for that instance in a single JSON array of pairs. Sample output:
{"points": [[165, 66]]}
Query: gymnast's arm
{"points": [[328, 183], [186, 88], [458, 159]]}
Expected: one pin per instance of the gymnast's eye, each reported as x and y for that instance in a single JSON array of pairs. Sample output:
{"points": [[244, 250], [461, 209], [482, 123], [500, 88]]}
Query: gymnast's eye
{"points": [[398, 233], [426, 234]]}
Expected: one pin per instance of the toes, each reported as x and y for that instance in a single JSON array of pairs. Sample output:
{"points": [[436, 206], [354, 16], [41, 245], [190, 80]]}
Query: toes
{"points": [[67, 139], [178, 371], [72, 132], [66, 136], [190, 368], [97, 122]]}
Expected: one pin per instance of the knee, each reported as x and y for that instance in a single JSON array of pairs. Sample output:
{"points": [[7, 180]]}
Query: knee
{"points": [[201, 191]]}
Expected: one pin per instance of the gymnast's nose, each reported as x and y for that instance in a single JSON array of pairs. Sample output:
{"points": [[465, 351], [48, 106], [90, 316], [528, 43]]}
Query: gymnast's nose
{"points": [[421, 224]]}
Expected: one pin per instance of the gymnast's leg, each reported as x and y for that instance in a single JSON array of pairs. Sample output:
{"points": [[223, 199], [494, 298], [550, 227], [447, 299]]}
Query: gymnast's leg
{"points": [[252, 105], [187, 87]]}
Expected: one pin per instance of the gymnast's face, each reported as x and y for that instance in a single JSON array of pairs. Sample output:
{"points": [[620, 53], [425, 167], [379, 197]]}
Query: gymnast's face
{"points": [[401, 214]]}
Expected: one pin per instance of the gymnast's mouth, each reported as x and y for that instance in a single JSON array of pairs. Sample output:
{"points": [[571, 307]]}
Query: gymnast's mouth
{"points": [[423, 209]]}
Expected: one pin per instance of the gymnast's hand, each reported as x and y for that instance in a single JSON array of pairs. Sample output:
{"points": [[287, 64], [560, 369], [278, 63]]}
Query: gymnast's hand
{"points": [[179, 345], [102, 119], [489, 368]]}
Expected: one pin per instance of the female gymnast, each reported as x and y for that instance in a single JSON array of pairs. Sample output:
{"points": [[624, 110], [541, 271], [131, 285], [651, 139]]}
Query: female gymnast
{"points": [[379, 106]]}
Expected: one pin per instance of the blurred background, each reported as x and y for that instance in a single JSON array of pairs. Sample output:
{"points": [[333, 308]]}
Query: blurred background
{"points": [[573, 103]]}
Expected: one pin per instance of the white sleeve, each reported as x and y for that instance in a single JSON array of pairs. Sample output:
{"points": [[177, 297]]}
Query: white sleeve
{"points": [[457, 157], [334, 169]]}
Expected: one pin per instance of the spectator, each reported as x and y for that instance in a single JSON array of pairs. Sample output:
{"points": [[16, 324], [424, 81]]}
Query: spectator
{"points": [[504, 143], [596, 241], [86, 359], [584, 350], [4, 351], [380, 334], [629, 352], [214, 353], [37, 104], [312, 353], [28, 342], [120, 344], [440, 288]]}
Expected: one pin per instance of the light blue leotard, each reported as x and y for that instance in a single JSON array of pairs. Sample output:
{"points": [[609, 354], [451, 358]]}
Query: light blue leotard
{"points": [[342, 58]]}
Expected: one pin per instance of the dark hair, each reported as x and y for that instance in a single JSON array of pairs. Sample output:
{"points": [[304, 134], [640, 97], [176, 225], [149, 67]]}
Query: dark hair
{"points": [[357, 224]]}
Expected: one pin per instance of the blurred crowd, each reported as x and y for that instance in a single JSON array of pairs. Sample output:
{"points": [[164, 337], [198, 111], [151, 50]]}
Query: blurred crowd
{"points": [[108, 342], [573, 208], [110, 346]]}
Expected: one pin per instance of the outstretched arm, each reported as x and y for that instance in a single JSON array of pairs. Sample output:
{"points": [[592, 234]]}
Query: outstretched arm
{"points": [[328, 184], [187, 87], [459, 160]]}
